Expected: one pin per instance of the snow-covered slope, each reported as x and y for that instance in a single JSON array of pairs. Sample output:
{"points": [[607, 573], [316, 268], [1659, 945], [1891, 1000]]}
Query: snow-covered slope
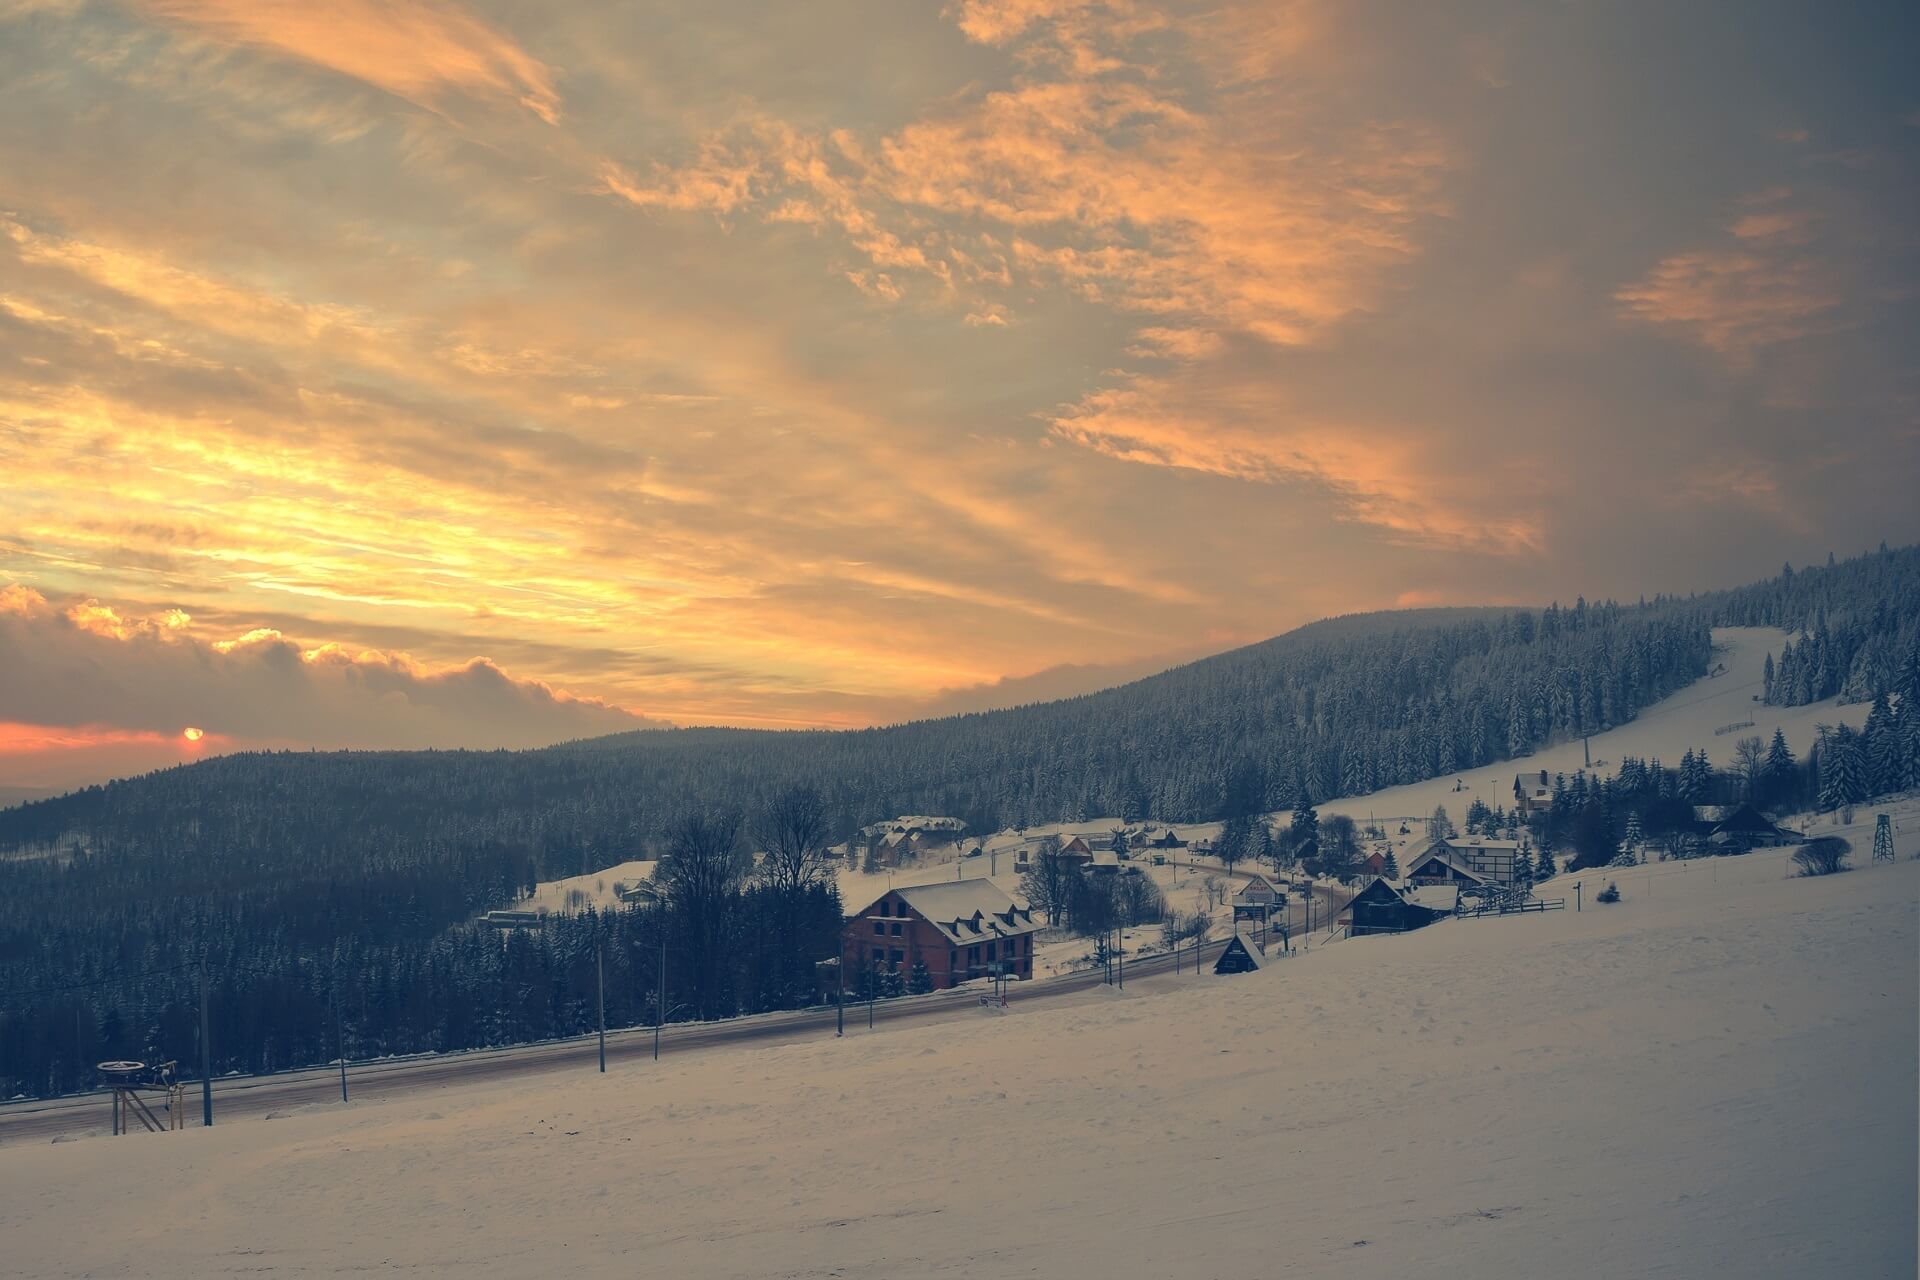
{"points": [[1686, 721], [1714, 1078]]}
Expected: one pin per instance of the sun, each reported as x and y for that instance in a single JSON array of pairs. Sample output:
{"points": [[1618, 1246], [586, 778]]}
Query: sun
{"points": [[192, 734]]}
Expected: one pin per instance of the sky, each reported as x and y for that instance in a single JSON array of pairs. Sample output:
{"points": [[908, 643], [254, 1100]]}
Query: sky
{"points": [[490, 375]]}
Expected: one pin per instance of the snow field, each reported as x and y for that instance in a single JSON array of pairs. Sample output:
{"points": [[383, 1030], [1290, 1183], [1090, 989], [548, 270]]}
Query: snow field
{"points": [[1713, 1078]]}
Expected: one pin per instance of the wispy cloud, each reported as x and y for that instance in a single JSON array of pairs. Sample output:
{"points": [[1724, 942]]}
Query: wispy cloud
{"points": [[1761, 285], [419, 51]]}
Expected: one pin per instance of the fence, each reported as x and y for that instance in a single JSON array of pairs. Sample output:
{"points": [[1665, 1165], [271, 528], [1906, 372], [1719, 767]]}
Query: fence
{"points": [[1509, 908]]}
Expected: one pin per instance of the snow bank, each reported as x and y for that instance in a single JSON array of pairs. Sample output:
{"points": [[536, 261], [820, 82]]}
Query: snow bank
{"points": [[1714, 1078]]}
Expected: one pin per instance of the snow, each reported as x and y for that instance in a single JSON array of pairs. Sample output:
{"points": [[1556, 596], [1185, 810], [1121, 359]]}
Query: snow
{"points": [[595, 889], [1715, 1077], [1683, 721]]}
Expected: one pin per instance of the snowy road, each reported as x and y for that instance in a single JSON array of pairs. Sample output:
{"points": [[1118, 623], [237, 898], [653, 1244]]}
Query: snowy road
{"points": [[249, 1097]]}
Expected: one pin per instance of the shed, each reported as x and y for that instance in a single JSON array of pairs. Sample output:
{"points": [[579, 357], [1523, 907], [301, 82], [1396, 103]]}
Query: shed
{"points": [[1240, 956]]}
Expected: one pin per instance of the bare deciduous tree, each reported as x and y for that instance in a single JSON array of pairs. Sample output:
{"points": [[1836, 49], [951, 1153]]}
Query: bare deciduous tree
{"points": [[793, 836], [1048, 880], [1750, 763]]}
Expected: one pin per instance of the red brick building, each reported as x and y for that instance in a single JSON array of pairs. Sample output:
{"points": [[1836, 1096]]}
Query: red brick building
{"points": [[957, 929]]}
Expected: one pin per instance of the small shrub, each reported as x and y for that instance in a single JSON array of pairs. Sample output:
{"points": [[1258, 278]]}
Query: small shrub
{"points": [[1609, 894], [1822, 857]]}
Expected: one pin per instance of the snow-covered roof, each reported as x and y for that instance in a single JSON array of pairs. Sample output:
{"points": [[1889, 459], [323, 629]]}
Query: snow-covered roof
{"points": [[969, 911], [1476, 842], [1434, 897], [1416, 866]]}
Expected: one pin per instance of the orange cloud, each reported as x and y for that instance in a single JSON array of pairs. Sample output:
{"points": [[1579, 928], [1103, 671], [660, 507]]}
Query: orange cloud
{"points": [[1377, 477], [1764, 289], [416, 51]]}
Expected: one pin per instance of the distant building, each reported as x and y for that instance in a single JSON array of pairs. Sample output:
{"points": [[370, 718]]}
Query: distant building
{"points": [[1374, 864], [1737, 826], [1491, 860], [1439, 865], [958, 929], [1257, 901], [1382, 908], [1240, 956], [1076, 848], [1168, 839], [1532, 793]]}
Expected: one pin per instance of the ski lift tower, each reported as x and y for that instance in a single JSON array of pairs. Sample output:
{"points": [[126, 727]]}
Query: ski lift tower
{"points": [[128, 1080], [1882, 838]]}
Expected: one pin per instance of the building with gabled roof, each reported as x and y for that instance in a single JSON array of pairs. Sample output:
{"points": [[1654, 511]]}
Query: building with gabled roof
{"points": [[1492, 860], [1439, 865], [1240, 956], [1737, 825], [958, 929], [1383, 908], [1532, 793]]}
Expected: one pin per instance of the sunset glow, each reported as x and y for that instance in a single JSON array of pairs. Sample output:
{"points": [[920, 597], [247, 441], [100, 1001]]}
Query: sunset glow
{"points": [[191, 734], [833, 365]]}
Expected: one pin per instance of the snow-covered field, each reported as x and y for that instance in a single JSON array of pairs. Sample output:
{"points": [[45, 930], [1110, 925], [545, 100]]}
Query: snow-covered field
{"points": [[596, 889], [1715, 1077]]}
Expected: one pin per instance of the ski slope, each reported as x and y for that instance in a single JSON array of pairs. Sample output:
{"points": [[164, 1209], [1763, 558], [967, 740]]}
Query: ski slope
{"points": [[1715, 1077], [1684, 721]]}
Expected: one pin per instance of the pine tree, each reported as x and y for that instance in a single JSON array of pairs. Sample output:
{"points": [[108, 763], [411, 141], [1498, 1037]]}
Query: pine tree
{"points": [[1780, 761], [919, 978], [1440, 826], [1306, 832], [1391, 869], [1843, 779], [1883, 749]]}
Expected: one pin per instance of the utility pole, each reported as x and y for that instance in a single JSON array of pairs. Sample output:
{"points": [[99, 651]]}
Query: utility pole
{"points": [[840, 1005], [206, 1053], [339, 1038], [1576, 896], [873, 994], [600, 981], [660, 1005], [1121, 934]]}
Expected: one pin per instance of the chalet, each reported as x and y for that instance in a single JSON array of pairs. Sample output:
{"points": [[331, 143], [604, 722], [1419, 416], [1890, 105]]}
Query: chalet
{"points": [[1439, 865], [1240, 956], [1382, 908], [1076, 848], [958, 929], [1374, 864], [1737, 826], [1532, 793], [1492, 860], [1168, 839]]}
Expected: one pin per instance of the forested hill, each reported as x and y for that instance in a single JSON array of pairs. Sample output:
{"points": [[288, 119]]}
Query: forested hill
{"points": [[1330, 710], [1336, 708]]}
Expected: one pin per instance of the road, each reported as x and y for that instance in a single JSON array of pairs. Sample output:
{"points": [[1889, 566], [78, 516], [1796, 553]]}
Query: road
{"points": [[241, 1097]]}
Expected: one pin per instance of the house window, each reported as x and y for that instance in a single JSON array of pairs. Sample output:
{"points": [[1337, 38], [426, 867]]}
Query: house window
{"points": [[953, 961], [879, 955], [973, 955], [893, 957], [991, 947], [894, 928], [879, 929]]}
